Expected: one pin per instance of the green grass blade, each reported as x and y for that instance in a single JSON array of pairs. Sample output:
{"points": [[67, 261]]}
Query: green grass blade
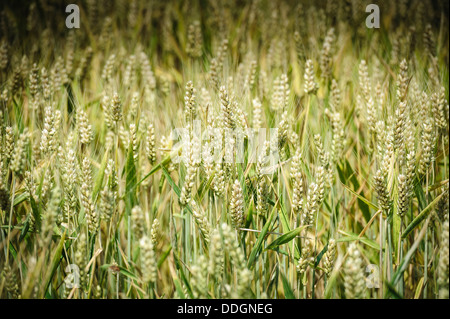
{"points": [[285, 238], [257, 247], [420, 217]]}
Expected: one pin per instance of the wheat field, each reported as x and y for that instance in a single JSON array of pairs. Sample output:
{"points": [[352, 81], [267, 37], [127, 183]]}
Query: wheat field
{"points": [[224, 149]]}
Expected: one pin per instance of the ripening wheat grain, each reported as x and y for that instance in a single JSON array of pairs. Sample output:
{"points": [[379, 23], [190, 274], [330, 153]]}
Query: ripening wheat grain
{"points": [[224, 149]]}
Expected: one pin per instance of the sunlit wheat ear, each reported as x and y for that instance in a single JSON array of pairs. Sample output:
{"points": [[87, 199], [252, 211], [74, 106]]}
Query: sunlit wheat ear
{"points": [[227, 109], [399, 130], [364, 82], [82, 70], [310, 84], [261, 183], [69, 177], [84, 128], [24, 67], [46, 86], [47, 186], [9, 143], [251, 75], [276, 55], [382, 192], [218, 184], [86, 193], [52, 120], [410, 171], [166, 144], [129, 73], [150, 144], [439, 108], [427, 143], [202, 221], [322, 155], [280, 95], [320, 176], [409, 135], [216, 64], [148, 260], [283, 134], [191, 171], [138, 222], [263, 83], [50, 216], [124, 137], [58, 75], [108, 69], [381, 137], [16, 82], [428, 40], [214, 72], [330, 257], [133, 142], [3, 55], [105, 34], [4, 97], [312, 205], [68, 65], [354, 277], [208, 159], [336, 96], [194, 40], [106, 207], [216, 259], [306, 256], [337, 143], [30, 186], [113, 179], [108, 195], [190, 106], [371, 115], [19, 156], [115, 109], [4, 193], [297, 184], [257, 114], [357, 112], [402, 81], [205, 104], [237, 259], [388, 152], [403, 195], [81, 257], [442, 205], [240, 117], [134, 108], [148, 77], [433, 72], [326, 54], [199, 277], [11, 282], [34, 81], [237, 205], [105, 104], [228, 165], [380, 98], [155, 232], [443, 266]]}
